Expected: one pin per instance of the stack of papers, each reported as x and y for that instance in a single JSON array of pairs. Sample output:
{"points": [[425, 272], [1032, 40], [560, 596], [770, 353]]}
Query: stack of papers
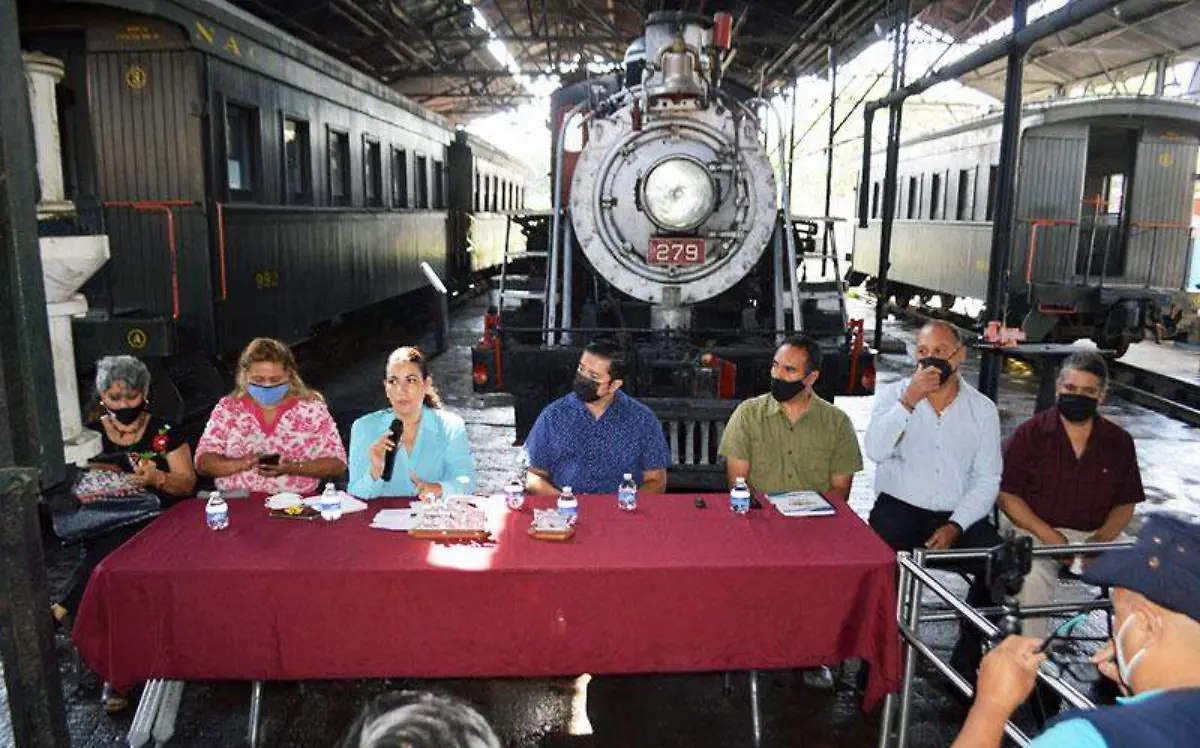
{"points": [[395, 519], [801, 504]]}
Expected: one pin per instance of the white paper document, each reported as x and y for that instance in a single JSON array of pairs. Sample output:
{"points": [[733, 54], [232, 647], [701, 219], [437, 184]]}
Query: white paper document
{"points": [[401, 520], [801, 504]]}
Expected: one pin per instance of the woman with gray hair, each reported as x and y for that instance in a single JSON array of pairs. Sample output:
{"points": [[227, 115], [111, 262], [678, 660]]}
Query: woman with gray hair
{"points": [[133, 441], [416, 719]]}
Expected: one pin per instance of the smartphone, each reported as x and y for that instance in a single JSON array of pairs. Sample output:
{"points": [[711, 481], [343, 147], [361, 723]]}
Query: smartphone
{"points": [[271, 459]]}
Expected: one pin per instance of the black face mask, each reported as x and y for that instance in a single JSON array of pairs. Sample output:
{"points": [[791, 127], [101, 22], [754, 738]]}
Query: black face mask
{"points": [[783, 391], [1077, 408], [127, 416], [942, 365], [585, 389]]}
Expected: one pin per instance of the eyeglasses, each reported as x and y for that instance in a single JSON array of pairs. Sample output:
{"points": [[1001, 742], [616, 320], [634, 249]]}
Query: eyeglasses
{"points": [[1065, 653]]}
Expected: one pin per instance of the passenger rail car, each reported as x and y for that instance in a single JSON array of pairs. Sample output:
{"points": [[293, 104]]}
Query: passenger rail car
{"points": [[249, 184], [1103, 216], [672, 244]]}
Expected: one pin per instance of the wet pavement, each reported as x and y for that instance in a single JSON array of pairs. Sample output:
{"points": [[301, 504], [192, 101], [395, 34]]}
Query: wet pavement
{"points": [[694, 710]]}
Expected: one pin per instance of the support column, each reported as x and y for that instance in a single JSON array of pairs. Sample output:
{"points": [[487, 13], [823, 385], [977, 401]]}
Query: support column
{"points": [[42, 74], [26, 636], [895, 110], [1002, 226]]}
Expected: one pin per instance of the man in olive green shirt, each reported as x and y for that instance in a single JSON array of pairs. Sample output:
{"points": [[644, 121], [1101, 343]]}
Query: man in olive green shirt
{"points": [[790, 439]]}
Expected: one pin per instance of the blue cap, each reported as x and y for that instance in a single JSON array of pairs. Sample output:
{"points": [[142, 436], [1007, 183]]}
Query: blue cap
{"points": [[1163, 566]]}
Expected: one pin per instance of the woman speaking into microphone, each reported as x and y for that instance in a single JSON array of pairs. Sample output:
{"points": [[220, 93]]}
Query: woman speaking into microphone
{"points": [[415, 447]]}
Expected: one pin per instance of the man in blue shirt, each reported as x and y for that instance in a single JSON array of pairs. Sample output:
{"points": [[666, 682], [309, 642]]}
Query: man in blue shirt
{"points": [[1154, 654], [591, 437]]}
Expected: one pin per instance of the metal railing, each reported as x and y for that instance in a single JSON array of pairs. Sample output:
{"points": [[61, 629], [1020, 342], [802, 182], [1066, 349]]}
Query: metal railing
{"points": [[914, 577]]}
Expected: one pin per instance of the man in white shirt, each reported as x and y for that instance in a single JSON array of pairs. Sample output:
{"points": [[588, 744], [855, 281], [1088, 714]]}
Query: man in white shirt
{"points": [[936, 442]]}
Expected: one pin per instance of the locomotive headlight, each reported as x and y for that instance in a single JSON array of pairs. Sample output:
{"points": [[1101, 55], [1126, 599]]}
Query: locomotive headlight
{"points": [[678, 194]]}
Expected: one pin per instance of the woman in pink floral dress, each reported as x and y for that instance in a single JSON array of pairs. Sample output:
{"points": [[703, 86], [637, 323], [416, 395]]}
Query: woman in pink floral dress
{"points": [[272, 433]]}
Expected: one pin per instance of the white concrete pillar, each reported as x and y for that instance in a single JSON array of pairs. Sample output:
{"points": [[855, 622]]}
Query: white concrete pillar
{"points": [[42, 74]]}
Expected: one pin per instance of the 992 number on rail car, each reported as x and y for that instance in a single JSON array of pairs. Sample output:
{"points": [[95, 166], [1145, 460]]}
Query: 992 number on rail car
{"points": [[681, 251]]}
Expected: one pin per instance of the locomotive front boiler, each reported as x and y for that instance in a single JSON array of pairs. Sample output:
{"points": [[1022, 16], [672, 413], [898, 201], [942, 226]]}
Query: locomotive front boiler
{"points": [[673, 199]]}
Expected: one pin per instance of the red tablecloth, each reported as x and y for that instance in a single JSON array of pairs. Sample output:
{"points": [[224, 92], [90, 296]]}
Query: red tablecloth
{"points": [[671, 588]]}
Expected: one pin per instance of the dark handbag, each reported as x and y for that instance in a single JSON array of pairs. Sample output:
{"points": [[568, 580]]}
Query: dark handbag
{"points": [[95, 518]]}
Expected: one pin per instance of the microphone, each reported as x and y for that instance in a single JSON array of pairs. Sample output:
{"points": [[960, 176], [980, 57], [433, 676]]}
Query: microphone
{"points": [[389, 460]]}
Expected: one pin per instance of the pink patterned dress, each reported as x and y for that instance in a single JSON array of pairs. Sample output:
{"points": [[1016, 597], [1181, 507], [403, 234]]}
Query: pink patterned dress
{"points": [[302, 430]]}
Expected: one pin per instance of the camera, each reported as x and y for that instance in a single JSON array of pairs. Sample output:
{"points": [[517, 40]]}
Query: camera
{"points": [[1004, 573]]}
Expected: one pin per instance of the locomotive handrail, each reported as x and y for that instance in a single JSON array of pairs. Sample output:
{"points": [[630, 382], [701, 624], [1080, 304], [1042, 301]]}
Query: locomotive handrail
{"points": [[167, 207], [1035, 224]]}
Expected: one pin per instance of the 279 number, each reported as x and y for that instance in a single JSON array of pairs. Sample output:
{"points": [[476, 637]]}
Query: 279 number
{"points": [[675, 252]]}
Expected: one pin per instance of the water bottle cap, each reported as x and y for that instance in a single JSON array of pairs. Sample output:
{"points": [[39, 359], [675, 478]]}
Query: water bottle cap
{"points": [[628, 476], [566, 489]]}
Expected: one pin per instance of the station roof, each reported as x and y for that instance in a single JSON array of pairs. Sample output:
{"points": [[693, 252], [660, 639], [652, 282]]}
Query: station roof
{"points": [[1105, 48], [434, 51]]}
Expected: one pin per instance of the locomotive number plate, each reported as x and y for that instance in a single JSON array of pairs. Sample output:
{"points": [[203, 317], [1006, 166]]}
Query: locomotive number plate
{"points": [[667, 251]]}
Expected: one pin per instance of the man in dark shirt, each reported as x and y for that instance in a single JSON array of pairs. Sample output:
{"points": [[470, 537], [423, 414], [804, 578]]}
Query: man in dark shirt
{"points": [[1070, 476]]}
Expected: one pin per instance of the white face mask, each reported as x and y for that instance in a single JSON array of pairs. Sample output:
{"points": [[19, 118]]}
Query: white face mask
{"points": [[1125, 667]]}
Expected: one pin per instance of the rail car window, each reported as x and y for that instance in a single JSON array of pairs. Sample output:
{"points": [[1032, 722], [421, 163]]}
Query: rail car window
{"points": [[439, 185], [372, 172], [993, 175], [495, 194], [914, 199], [422, 182], [339, 168], [487, 193], [241, 129], [875, 200], [1114, 193], [935, 198], [477, 194], [399, 178], [962, 206], [297, 162]]}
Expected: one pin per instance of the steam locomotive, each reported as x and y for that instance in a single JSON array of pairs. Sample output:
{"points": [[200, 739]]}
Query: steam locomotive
{"points": [[672, 204]]}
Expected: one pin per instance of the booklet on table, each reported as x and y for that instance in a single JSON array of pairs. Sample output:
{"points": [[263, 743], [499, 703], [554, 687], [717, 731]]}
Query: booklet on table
{"points": [[801, 504]]}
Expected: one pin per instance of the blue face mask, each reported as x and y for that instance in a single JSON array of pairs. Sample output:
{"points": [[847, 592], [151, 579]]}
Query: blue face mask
{"points": [[267, 396]]}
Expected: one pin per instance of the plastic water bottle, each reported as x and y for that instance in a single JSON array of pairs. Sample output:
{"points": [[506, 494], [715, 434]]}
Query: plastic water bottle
{"points": [[330, 504], [216, 512], [568, 505], [739, 497], [627, 494], [514, 495]]}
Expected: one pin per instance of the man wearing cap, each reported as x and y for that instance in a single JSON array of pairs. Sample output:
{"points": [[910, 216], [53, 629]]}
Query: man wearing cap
{"points": [[1154, 654], [1070, 476]]}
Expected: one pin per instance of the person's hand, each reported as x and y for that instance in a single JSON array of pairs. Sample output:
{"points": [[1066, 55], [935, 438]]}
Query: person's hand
{"points": [[378, 453], [944, 537], [247, 463], [924, 382], [1105, 661], [1007, 675], [147, 474], [425, 488]]}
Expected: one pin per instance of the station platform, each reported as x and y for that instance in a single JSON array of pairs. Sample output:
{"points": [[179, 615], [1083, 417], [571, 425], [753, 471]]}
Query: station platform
{"points": [[1168, 359]]}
